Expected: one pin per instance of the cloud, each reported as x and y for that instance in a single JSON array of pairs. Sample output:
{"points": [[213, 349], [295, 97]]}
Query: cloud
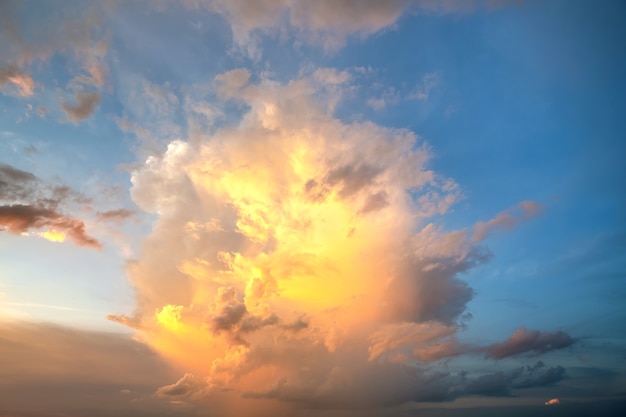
{"points": [[27, 203], [501, 383], [38, 39], [86, 373], [427, 336], [489, 385], [299, 205], [117, 215], [549, 377], [86, 104], [525, 341], [184, 386], [290, 234], [553, 401], [15, 183], [53, 370], [23, 83], [231, 82], [524, 211], [389, 96], [324, 23], [131, 322], [422, 90], [72, 29], [18, 218]]}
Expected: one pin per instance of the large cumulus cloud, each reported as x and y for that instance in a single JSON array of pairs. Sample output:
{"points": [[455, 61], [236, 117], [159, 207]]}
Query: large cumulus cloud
{"points": [[294, 258]]}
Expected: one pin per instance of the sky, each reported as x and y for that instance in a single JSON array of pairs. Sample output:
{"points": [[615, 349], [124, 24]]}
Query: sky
{"points": [[312, 208]]}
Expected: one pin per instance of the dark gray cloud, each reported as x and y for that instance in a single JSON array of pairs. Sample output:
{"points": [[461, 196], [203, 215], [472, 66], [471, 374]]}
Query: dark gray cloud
{"points": [[21, 82]]}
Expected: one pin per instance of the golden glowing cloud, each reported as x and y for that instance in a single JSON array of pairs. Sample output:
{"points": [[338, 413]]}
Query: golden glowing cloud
{"points": [[292, 250]]}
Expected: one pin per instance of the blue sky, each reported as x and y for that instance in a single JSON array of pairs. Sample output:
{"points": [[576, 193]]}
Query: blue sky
{"points": [[270, 198]]}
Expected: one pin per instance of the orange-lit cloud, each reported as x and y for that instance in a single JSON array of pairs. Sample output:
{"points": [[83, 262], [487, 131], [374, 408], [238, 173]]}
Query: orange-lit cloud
{"points": [[553, 401], [293, 253], [27, 204], [19, 218], [22, 83]]}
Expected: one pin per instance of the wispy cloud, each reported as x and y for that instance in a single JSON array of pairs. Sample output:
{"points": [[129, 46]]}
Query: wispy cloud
{"points": [[71, 29], [325, 23], [116, 215], [506, 220], [527, 341], [27, 203], [422, 90], [22, 83]]}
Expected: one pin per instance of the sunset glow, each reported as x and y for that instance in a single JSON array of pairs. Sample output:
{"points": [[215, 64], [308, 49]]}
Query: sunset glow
{"points": [[312, 208]]}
